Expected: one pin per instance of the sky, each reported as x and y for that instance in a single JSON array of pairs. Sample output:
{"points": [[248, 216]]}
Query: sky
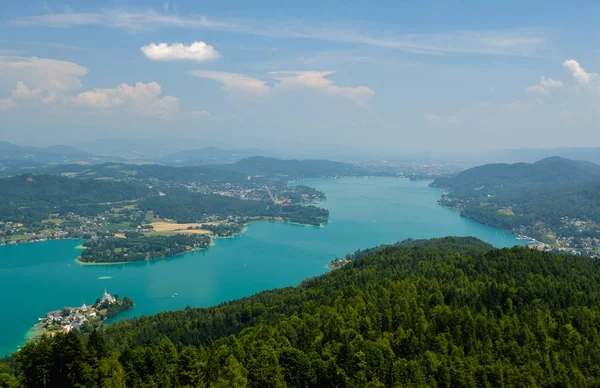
{"points": [[393, 76]]}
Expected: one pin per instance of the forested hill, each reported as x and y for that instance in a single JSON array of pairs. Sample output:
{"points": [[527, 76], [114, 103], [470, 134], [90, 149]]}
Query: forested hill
{"points": [[467, 245], [518, 179], [554, 200], [31, 198], [236, 172], [149, 172], [420, 316], [55, 190], [310, 168]]}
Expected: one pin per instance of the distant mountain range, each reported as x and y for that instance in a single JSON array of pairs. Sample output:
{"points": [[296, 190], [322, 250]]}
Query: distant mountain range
{"points": [[15, 159], [175, 152], [210, 155], [53, 154]]}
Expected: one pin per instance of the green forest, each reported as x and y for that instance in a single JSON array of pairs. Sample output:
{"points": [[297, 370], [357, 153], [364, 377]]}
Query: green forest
{"points": [[136, 247], [451, 312], [31, 198], [540, 198], [184, 207]]}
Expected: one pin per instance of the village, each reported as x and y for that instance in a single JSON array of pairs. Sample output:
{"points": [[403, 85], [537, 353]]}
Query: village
{"points": [[84, 318]]}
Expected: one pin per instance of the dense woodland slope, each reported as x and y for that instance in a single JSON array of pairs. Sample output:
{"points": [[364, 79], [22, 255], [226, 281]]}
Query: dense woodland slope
{"points": [[185, 206], [229, 172], [552, 199], [519, 179], [31, 198], [147, 172], [427, 315]]}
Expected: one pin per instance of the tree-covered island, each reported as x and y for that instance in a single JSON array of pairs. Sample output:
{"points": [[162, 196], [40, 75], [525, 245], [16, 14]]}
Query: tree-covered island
{"points": [[134, 246]]}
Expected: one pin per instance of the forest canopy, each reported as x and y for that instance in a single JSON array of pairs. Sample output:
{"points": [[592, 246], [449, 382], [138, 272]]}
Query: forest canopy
{"points": [[427, 315]]}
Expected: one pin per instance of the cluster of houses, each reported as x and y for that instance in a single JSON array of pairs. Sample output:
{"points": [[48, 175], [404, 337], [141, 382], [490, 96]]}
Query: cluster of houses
{"points": [[70, 318]]}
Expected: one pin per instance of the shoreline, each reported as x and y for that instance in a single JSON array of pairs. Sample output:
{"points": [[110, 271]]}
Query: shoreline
{"points": [[518, 236], [84, 263], [211, 244], [44, 240]]}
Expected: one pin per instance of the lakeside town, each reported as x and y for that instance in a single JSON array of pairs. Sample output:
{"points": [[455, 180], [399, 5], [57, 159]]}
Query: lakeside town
{"points": [[84, 318], [125, 215]]}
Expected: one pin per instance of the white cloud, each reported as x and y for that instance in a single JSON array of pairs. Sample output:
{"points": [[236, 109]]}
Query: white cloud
{"points": [[141, 99], [235, 83], [318, 80], [580, 75], [440, 120], [544, 86], [550, 83], [23, 92], [46, 74], [6, 104], [197, 51], [521, 42], [286, 80], [48, 81]]}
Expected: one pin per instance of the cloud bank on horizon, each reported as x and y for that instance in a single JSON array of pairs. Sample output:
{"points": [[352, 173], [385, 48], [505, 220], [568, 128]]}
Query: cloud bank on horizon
{"points": [[285, 76]]}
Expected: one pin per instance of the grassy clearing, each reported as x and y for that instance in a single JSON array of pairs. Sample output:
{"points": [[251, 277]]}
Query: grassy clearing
{"points": [[174, 228], [506, 212], [56, 221]]}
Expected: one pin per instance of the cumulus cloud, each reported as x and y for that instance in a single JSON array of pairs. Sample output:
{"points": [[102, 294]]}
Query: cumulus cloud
{"points": [[23, 94], [23, 91], [580, 75], [144, 99], [47, 81], [6, 104], [46, 74], [544, 86], [235, 83], [197, 51], [318, 80]]}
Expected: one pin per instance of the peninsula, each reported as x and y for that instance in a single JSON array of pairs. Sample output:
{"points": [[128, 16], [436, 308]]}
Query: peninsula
{"points": [[553, 202], [83, 318], [129, 213]]}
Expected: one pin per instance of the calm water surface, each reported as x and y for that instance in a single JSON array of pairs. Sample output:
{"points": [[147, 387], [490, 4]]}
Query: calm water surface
{"points": [[364, 212]]}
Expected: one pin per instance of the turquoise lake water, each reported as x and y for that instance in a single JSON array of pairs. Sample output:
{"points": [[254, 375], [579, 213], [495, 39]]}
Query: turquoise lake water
{"points": [[364, 212]]}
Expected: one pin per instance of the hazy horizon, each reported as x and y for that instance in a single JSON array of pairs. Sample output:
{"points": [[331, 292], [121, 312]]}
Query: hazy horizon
{"points": [[427, 76]]}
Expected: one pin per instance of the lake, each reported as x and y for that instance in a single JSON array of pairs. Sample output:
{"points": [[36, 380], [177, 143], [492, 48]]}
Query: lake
{"points": [[364, 212]]}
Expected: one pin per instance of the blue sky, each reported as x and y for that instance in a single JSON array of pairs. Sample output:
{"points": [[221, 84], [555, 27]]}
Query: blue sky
{"points": [[390, 75]]}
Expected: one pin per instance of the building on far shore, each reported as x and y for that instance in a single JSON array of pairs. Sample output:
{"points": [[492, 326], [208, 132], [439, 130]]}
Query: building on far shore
{"points": [[107, 298]]}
